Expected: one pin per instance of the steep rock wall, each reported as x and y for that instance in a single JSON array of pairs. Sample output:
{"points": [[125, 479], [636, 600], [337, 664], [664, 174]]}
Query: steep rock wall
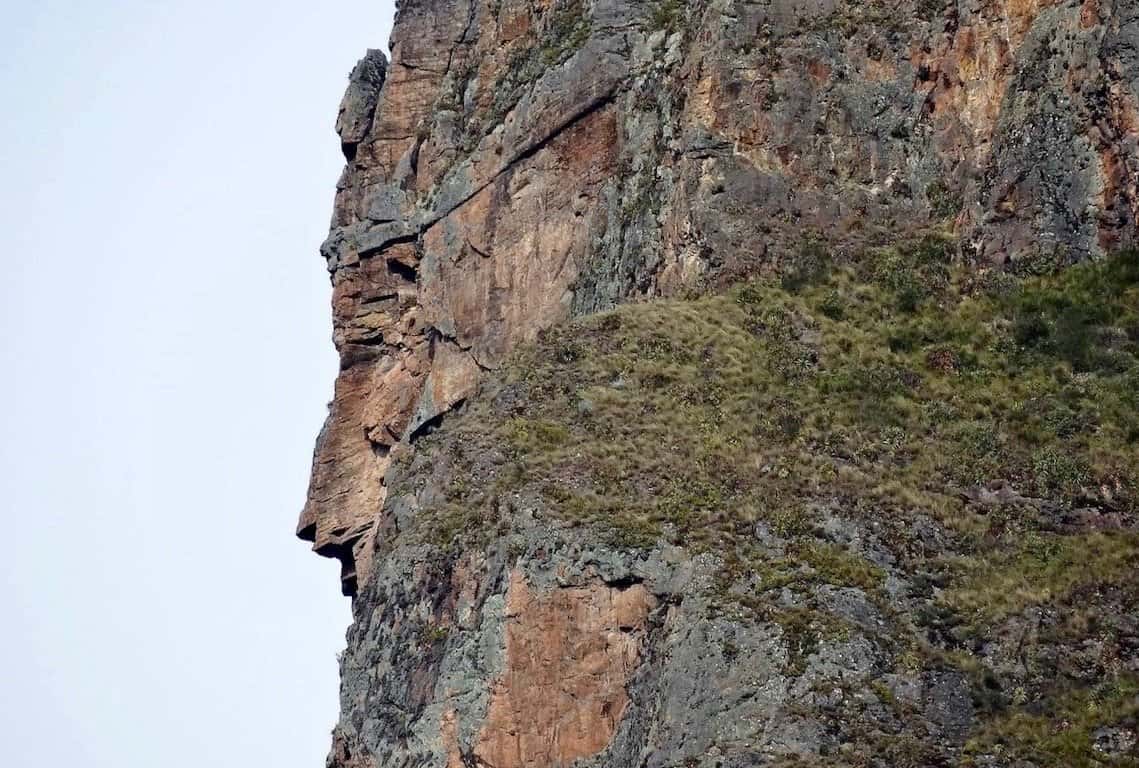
{"points": [[517, 164]]}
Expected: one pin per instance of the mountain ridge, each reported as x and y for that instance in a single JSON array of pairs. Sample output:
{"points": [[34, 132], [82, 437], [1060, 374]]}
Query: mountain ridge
{"points": [[826, 219]]}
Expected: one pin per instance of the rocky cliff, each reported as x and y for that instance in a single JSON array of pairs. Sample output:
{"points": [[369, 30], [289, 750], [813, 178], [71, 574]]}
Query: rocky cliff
{"points": [[848, 481]]}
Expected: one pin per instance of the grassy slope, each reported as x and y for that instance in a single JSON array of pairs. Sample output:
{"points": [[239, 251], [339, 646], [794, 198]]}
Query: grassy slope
{"points": [[889, 390]]}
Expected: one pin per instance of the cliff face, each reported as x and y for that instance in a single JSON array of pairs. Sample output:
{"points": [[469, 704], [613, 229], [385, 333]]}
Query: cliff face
{"points": [[518, 165]]}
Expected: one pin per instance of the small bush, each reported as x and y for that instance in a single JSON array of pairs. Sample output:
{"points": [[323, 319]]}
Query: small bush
{"points": [[667, 15], [1058, 472], [811, 266], [943, 201]]}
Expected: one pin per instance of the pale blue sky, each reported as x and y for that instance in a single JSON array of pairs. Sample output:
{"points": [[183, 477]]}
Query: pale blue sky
{"points": [[167, 177]]}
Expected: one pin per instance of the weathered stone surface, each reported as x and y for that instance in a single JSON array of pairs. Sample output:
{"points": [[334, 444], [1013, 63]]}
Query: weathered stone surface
{"points": [[569, 656], [520, 163], [358, 108]]}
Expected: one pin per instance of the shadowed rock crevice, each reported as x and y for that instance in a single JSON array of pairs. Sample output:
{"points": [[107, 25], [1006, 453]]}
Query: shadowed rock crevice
{"points": [[431, 425], [339, 549], [406, 272]]}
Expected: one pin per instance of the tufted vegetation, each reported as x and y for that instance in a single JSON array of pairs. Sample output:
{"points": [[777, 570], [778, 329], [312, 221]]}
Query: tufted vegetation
{"points": [[894, 384], [896, 389]]}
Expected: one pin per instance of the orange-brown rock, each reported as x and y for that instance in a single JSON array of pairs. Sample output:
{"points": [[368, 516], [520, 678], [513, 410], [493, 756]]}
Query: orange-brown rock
{"points": [[569, 655]]}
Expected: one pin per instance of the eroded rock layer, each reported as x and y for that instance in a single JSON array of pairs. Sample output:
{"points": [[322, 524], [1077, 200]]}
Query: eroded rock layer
{"points": [[518, 164]]}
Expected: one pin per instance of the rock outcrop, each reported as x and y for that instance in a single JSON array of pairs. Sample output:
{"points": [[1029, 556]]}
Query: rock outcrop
{"points": [[519, 164]]}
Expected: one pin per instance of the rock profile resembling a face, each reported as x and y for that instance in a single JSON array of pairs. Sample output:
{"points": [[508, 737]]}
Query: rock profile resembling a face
{"points": [[518, 163], [705, 528]]}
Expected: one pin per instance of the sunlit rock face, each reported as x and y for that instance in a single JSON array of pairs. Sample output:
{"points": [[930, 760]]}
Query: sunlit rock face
{"points": [[517, 164]]}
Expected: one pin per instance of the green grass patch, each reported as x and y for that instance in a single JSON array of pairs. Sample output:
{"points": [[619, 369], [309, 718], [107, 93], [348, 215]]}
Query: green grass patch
{"points": [[886, 387], [1062, 733], [1043, 568]]}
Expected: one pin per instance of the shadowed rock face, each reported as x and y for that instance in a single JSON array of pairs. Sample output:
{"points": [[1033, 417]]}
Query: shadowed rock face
{"points": [[520, 163]]}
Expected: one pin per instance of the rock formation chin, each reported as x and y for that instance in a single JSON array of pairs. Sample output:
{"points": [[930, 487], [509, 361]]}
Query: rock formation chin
{"points": [[518, 166]]}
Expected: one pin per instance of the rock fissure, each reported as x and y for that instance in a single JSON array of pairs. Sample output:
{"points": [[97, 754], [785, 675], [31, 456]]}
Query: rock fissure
{"points": [[520, 157]]}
